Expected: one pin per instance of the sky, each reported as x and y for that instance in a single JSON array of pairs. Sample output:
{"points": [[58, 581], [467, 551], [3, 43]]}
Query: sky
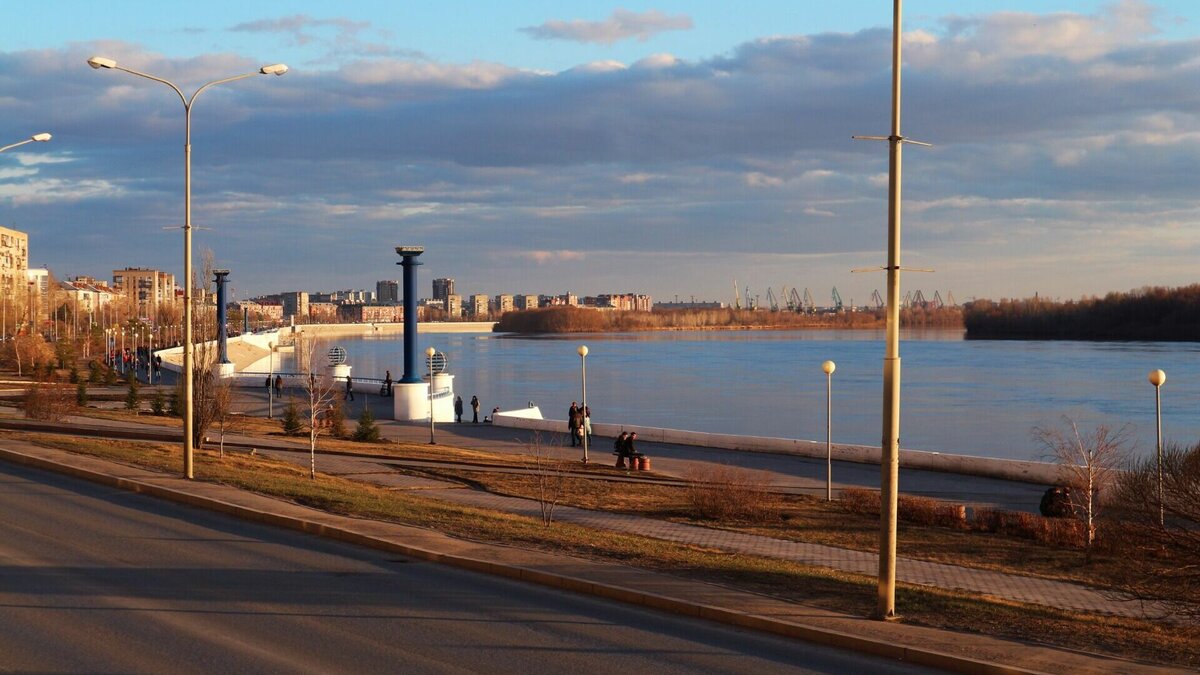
{"points": [[670, 148]]}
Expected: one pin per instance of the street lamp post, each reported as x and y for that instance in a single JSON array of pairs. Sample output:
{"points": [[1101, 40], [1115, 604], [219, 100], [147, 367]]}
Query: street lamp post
{"points": [[36, 138], [276, 69], [1157, 378], [583, 352], [429, 357], [829, 367], [271, 381]]}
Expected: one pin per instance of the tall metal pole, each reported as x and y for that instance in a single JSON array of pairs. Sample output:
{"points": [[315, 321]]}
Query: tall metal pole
{"points": [[271, 381], [188, 375]]}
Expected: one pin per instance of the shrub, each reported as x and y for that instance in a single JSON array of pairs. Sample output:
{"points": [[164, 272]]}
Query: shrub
{"points": [[291, 419], [909, 508], [73, 377], [366, 431], [175, 404], [157, 404], [335, 418], [47, 402], [95, 372], [110, 376], [81, 395], [727, 492], [132, 398]]}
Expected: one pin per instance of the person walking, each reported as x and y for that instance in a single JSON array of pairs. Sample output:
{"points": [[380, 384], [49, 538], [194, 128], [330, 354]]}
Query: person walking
{"points": [[573, 422], [587, 424], [458, 408], [387, 384], [349, 389], [475, 410], [278, 385]]}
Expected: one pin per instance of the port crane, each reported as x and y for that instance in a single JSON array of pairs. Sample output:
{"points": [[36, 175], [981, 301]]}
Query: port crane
{"points": [[937, 301], [809, 305], [772, 301], [877, 299], [837, 300]]}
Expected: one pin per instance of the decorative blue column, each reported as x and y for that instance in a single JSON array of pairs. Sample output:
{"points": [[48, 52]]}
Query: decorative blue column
{"points": [[408, 255], [222, 334]]}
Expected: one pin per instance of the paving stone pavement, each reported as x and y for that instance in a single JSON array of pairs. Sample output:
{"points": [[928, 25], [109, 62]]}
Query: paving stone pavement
{"points": [[1062, 595]]}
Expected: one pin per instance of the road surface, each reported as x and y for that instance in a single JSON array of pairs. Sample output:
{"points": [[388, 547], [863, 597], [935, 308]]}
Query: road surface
{"points": [[94, 579]]}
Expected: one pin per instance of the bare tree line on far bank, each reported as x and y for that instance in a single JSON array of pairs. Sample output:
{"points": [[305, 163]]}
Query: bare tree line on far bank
{"points": [[567, 319], [1149, 313]]}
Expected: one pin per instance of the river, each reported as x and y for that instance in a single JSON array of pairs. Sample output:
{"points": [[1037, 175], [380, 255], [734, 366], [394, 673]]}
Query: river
{"points": [[973, 397]]}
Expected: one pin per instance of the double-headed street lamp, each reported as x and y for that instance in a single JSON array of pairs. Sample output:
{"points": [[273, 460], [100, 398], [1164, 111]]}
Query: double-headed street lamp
{"points": [[276, 69], [36, 138]]}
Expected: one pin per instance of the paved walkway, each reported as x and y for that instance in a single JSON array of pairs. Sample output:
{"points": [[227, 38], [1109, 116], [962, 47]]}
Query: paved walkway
{"points": [[1058, 594]]}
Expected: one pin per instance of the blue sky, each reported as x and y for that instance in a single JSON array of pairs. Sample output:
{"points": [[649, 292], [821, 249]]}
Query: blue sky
{"points": [[668, 148]]}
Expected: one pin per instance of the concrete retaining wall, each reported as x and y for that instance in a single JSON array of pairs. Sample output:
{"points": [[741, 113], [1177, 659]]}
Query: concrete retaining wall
{"points": [[1005, 469]]}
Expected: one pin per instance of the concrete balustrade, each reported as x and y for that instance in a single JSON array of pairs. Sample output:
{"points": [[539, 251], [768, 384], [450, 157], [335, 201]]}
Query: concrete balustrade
{"points": [[1005, 469]]}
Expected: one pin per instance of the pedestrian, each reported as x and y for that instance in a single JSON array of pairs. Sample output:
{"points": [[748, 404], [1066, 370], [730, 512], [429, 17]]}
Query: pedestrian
{"points": [[619, 448], [587, 425], [475, 409], [268, 382], [278, 385], [458, 408], [349, 389], [387, 384], [573, 422]]}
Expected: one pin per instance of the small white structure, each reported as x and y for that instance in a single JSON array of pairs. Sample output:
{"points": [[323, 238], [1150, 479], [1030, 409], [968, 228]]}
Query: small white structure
{"points": [[411, 401]]}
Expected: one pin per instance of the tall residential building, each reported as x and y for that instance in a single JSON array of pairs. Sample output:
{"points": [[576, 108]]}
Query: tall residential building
{"points": [[146, 287], [443, 289], [14, 259], [480, 306], [453, 307], [295, 304], [526, 302], [504, 303], [387, 291]]}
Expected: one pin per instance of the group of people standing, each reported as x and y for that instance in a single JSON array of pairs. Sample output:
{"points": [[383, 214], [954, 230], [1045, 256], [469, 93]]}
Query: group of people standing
{"points": [[579, 423], [458, 409]]}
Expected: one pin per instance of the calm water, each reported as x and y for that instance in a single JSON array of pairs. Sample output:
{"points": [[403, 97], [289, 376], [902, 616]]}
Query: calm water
{"points": [[969, 397]]}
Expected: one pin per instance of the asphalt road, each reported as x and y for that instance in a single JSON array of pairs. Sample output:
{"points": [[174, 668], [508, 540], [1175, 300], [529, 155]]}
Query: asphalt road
{"points": [[94, 579]]}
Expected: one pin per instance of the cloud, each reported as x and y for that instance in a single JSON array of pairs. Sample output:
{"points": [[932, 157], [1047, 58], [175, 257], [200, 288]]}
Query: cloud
{"points": [[742, 160], [346, 41], [621, 25], [545, 257]]}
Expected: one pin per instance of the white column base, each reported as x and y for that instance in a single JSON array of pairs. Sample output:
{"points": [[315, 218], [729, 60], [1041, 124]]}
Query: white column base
{"points": [[410, 402], [223, 370]]}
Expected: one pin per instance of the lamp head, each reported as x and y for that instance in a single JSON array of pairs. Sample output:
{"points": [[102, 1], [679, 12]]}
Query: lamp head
{"points": [[275, 69], [40, 138], [430, 352], [1157, 378], [583, 350], [101, 62], [829, 367]]}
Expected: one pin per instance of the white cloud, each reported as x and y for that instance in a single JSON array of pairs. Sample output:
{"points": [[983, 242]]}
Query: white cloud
{"points": [[621, 25]]}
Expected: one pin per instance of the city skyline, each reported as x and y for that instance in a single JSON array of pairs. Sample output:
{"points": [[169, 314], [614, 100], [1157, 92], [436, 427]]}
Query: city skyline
{"points": [[667, 148]]}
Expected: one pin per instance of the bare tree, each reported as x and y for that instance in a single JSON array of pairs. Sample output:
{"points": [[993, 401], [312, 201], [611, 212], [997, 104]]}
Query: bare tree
{"points": [[320, 388], [1088, 463], [222, 405], [1161, 557], [550, 475]]}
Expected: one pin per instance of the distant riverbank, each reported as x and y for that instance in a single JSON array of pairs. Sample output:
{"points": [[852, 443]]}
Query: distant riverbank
{"points": [[1147, 314], [584, 320]]}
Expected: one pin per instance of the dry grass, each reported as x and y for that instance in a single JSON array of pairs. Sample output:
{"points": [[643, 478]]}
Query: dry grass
{"points": [[722, 492]]}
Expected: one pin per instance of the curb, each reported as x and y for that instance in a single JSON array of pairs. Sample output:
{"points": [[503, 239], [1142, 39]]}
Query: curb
{"points": [[827, 637]]}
